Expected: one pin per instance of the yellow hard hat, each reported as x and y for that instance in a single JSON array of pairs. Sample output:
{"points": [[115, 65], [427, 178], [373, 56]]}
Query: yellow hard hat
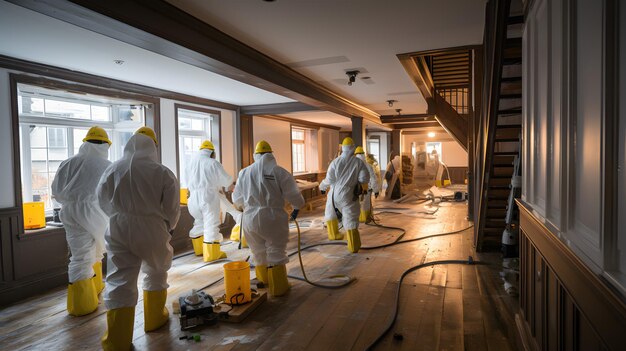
{"points": [[147, 131], [262, 147], [207, 144], [97, 133], [347, 141], [359, 150]]}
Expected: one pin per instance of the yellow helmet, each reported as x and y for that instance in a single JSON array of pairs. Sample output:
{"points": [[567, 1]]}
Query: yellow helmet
{"points": [[147, 131], [262, 147], [359, 150], [97, 133], [207, 144], [347, 141]]}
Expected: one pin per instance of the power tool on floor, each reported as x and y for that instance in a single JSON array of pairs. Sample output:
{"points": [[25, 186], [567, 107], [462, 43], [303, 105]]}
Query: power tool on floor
{"points": [[196, 310]]}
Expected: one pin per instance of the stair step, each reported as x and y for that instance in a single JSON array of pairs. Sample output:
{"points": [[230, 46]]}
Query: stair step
{"points": [[511, 61], [505, 153], [509, 111], [506, 140], [510, 96], [513, 42], [514, 20], [497, 204], [510, 79], [509, 126]]}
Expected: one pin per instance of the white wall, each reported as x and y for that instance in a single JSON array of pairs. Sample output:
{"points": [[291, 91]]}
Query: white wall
{"points": [[278, 135], [7, 194], [328, 139]]}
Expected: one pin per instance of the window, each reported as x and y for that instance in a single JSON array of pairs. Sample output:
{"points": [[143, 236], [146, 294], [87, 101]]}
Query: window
{"points": [[52, 125], [298, 153], [194, 127], [373, 147], [433, 146]]}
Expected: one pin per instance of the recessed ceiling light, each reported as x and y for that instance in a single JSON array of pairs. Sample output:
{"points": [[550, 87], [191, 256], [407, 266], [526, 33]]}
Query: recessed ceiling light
{"points": [[431, 134], [119, 62]]}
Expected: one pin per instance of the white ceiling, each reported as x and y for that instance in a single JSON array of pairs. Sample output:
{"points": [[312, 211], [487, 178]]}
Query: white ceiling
{"points": [[35, 37], [323, 38]]}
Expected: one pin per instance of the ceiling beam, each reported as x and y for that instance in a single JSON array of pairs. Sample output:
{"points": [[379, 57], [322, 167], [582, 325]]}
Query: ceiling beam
{"points": [[422, 117], [160, 27], [416, 125], [276, 109]]}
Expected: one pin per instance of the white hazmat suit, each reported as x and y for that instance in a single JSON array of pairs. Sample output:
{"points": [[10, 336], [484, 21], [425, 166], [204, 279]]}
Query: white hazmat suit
{"points": [[74, 187], [262, 189], [205, 177], [141, 197], [344, 174], [374, 187]]}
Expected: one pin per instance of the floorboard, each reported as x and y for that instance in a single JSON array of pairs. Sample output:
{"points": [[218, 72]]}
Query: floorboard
{"points": [[442, 307]]}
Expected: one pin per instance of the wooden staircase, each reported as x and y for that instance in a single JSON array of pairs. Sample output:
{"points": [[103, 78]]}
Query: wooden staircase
{"points": [[500, 122]]}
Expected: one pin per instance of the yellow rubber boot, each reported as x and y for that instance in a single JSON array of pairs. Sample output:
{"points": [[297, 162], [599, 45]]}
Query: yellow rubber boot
{"points": [[261, 273], [97, 279], [333, 230], [82, 297], [354, 240], [119, 334], [277, 280], [363, 216], [212, 252], [197, 245], [234, 233], [155, 314]]}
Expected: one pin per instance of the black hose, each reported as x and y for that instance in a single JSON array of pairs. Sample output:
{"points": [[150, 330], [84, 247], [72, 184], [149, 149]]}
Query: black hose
{"points": [[469, 261]]}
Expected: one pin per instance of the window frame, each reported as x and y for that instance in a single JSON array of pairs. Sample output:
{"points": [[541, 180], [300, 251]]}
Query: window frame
{"points": [[216, 130], [152, 119], [299, 141]]}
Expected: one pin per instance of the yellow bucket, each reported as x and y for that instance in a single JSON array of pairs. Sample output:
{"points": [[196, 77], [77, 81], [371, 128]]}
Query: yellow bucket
{"points": [[34, 215], [237, 282], [184, 195]]}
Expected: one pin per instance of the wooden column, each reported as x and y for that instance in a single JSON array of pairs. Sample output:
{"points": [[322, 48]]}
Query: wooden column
{"points": [[396, 135], [358, 131]]}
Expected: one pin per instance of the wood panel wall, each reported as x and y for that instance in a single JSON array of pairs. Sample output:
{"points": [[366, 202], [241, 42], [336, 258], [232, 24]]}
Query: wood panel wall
{"points": [[563, 304]]}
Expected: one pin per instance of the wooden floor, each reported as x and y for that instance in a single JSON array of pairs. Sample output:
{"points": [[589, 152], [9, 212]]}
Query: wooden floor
{"points": [[444, 307]]}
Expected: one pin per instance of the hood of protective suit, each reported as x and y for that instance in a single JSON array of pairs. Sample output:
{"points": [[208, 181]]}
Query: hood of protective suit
{"points": [[206, 152], [141, 146], [94, 150], [347, 150]]}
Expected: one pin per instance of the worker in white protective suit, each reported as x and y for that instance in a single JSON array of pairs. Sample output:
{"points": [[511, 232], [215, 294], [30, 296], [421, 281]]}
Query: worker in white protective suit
{"points": [[74, 187], [373, 187], [349, 178], [205, 178], [330, 216], [261, 190], [141, 197]]}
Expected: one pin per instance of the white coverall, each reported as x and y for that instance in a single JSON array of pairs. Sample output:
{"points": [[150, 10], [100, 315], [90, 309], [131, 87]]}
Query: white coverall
{"points": [[141, 197], [373, 186], [343, 175], [74, 187], [262, 189], [205, 177]]}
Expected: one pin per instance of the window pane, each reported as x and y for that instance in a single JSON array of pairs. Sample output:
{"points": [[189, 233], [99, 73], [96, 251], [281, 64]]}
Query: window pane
{"points": [[57, 137], [79, 135], [38, 155], [297, 134], [197, 124], [38, 136], [100, 113], [184, 123], [30, 105], [39, 186], [39, 166], [68, 109]]}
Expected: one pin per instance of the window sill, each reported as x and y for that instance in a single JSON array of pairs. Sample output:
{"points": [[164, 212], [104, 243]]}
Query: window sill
{"points": [[34, 234]]}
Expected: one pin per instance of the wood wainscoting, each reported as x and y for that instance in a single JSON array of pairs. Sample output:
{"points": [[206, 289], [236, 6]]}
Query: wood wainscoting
{"points": [[563, 304], [35, 261]]}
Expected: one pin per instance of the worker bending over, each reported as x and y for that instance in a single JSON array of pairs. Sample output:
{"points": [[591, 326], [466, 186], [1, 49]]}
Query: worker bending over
{"points": [[262, 189], [373, 187], [141, 197], [205, 177], [74, 187], [348, 177]]}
